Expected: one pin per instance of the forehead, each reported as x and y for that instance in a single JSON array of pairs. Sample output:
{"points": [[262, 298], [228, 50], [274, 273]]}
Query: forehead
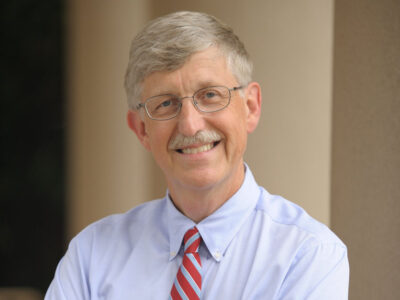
{"points": [[205, 68]]}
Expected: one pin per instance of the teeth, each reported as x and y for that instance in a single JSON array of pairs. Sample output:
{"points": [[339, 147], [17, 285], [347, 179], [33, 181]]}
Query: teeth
{"points": [[198, 149]]}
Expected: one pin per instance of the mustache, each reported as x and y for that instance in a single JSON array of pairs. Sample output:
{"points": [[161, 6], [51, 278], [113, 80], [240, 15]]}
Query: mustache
{"points": [[202, 136]]}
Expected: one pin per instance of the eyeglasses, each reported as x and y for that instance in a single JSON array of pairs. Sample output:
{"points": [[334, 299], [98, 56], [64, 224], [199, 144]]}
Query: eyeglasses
{"points": [[207, 100]]}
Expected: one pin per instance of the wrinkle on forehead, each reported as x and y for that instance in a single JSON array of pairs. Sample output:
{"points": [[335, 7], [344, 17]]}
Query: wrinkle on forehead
{"points": [[193, 75]]}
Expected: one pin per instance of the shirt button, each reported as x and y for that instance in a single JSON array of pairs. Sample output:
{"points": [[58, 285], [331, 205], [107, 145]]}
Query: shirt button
{"points": [[173, 253], [217, 255]]}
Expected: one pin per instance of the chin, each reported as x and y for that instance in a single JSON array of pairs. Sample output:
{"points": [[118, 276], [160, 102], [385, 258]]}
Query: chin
{"points": [[200, 179]]}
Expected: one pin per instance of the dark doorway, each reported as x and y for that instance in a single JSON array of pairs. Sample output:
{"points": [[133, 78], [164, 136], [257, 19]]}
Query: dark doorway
{"points": [[32, 131]]}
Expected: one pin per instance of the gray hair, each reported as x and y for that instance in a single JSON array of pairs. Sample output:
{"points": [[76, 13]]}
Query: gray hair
{"points": [[167, 42]]}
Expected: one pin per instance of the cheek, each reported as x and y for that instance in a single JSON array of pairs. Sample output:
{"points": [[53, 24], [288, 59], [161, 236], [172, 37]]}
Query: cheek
{"points": [[236, 137], [159, 139], [241, 132], [233, 125], [157, 143]]}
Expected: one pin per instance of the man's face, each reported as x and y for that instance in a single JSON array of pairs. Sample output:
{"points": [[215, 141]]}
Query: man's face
{"points": [[205, 164]]}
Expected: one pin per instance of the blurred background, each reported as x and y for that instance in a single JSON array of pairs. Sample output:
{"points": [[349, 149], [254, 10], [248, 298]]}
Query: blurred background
{"points": [[328, 140]]}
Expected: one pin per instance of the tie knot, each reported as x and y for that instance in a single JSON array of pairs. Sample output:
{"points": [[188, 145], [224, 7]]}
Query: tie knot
{"points": [[192, 240]]}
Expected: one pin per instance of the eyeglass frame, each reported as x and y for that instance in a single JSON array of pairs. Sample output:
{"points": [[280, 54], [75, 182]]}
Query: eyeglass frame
{"points": [[143, 104]]}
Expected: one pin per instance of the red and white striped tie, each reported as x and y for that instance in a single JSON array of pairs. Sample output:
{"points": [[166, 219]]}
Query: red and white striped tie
{"points": [[187, 284]]}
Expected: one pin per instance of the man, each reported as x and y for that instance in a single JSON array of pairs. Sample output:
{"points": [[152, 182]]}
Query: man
{"points": [[216, 234]]}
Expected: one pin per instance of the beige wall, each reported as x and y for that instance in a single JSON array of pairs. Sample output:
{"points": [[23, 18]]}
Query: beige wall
{"points": [[366, 144], [291, 45], [108, 170]]}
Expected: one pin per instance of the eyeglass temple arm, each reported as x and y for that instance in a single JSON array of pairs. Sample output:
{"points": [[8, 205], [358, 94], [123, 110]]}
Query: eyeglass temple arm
{"points": [[139, 106], [235, 88]]}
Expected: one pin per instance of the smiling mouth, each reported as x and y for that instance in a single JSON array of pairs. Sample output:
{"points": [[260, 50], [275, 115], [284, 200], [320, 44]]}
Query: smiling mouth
{"points": [[195, 150]]}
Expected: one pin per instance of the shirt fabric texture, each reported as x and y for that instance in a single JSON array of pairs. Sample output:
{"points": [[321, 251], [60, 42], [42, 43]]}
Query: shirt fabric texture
{"points": [[255, 246]]}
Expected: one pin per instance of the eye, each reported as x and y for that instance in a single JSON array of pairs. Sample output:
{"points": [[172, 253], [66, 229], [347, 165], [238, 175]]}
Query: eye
{"points": [[163, 103], [166, 103], [210, 94]]}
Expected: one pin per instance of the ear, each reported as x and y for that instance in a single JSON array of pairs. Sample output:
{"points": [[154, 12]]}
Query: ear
{"points": [[138, 126], [253, 105]]}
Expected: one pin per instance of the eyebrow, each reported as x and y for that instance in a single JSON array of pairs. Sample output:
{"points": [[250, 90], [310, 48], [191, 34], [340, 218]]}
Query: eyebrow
{"points": [[199, 85]]}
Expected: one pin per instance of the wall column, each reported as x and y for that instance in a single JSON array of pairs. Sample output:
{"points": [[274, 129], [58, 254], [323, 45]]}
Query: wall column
{"points": [[108, 169], [366, 144]]}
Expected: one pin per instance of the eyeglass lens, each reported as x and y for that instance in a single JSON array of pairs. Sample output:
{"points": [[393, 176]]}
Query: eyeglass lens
{"points": [[208, 99]]}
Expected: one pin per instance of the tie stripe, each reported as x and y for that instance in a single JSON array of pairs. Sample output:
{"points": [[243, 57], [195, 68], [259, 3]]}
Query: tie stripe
{"points": [[194, 271], [194, 284], [175, 294], [195, 260], [187, 284], [192, 242]]}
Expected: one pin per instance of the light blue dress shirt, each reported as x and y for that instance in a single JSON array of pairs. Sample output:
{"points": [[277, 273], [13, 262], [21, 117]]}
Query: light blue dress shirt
{"points": [[256, 246]]}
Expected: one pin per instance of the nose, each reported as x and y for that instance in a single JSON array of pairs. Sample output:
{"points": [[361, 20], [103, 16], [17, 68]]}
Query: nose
{"points": [[190, 120]]}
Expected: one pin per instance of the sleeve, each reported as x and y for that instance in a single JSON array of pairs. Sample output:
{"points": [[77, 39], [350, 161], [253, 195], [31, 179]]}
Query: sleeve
{"points": [[319, 272], [71, 276]]}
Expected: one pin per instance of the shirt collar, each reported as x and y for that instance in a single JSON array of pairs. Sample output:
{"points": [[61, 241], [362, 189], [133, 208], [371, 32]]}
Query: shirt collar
{"points": [[218, 229]]}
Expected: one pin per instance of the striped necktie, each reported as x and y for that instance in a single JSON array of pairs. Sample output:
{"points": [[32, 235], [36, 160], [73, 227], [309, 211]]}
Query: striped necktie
{"points": [[187, 284]]}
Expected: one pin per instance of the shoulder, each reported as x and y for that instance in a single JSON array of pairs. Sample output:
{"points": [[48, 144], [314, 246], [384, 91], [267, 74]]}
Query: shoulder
{"points": [[145, 212], [120, 228], [287, 216], [102, 249], [316, 262]]}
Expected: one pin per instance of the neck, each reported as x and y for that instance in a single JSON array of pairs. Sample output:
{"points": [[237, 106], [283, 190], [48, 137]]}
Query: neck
{"points": [[197, 203]]}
